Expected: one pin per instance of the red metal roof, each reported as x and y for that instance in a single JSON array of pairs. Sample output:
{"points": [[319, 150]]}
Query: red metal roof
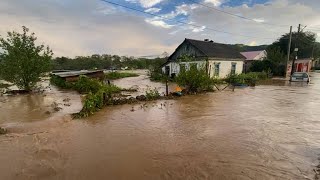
{"points": [[251, 55]]}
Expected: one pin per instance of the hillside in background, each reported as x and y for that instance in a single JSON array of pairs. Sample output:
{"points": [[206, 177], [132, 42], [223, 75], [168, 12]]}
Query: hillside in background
{"points": [[244, 48]]}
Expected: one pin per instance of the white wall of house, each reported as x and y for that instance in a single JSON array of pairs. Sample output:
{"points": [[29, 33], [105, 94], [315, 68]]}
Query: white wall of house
{"points": [[175, 66], [225, 67]]}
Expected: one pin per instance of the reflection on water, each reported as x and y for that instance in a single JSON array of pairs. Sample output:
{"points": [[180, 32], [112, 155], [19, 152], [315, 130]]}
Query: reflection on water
{"points": [[265, 132]]}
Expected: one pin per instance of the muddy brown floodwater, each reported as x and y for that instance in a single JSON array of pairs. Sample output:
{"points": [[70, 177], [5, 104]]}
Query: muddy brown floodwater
{"points": [[266, 132]]}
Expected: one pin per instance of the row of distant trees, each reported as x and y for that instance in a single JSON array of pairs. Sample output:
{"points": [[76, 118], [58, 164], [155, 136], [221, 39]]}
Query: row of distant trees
{"points": [[104, 62]]}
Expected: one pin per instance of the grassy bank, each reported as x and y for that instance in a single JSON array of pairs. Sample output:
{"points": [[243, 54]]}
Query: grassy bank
{"points": [[119, 75]]}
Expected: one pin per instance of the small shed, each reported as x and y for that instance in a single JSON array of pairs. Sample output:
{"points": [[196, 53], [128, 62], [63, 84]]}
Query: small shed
{"points": [[71, 76]]}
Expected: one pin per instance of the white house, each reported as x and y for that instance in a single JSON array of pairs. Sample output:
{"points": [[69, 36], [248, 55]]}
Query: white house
{"points": [[252, 56], [220, 60]]}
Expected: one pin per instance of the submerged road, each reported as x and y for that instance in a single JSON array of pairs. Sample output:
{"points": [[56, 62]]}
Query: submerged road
{"points": [[265, 132]]}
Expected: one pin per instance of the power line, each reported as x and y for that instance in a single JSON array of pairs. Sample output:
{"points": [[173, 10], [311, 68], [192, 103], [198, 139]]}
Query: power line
{"points": [[181, 22], [236, 15]]}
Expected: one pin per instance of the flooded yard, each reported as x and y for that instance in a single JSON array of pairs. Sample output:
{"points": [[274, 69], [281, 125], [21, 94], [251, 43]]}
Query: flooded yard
{"points": [[266, 132]]}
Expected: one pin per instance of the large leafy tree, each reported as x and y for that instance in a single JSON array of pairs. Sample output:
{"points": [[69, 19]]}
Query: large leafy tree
{"points": [[304, 41], [22, 61]]}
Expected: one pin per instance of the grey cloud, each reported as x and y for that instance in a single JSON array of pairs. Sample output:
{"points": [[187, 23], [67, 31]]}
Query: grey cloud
{"points": [[84, 27]]}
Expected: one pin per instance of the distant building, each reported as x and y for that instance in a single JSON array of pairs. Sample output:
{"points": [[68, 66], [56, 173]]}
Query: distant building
{"points": [[220, 60], [251, 57], [71, 76], [303, 65]]}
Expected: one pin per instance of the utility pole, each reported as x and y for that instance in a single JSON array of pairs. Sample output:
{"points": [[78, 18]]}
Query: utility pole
{"points": [[312, 54], [288, 52], [293, 69]]}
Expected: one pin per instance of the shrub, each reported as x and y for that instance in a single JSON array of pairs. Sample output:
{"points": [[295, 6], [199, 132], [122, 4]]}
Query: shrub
{"points": [[156, 74], [248, 79], [57, 81], [86, 85], [152, 94], [98, 94], [195, 80], [266, 65], [119, 75]]}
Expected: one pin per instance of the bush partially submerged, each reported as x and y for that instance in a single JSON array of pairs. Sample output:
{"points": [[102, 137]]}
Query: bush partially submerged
{"points": [[152, 94], [246, 79], [195, 80], [157, 75], [98, 93]]}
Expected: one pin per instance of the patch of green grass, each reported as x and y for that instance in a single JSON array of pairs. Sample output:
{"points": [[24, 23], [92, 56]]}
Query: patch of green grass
{"points": [[119, 75]]}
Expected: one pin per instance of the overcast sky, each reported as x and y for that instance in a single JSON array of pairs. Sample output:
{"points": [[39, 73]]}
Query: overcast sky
{"points": [[85, 27]]}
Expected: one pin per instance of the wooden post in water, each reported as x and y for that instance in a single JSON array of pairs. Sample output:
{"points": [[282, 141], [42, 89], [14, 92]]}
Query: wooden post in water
{"points": [[167, 88]]}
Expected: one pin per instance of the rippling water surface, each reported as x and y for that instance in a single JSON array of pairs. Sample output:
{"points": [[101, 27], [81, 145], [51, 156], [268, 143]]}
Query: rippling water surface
{"points": [[265, 132]]}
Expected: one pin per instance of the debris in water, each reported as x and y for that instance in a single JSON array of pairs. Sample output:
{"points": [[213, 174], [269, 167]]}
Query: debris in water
{"points": [[55, 107], [3, 130], [66, 100]]}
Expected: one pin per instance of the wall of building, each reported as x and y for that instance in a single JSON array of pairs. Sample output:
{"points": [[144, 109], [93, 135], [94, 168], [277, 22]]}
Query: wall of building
{"points": [[175, 66], [261, 56], [224, 71], [225, 67]]}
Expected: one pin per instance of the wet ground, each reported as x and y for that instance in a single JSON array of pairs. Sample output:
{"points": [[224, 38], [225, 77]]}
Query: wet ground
{"points": [[267, 132]]}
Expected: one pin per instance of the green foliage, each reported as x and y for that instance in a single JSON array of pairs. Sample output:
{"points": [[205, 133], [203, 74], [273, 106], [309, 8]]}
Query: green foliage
{"points": [[157, 75], [268, 66], [248, 79], [104, 61], [98, 93], [57, 81], [152, 94], [22, 61], [303, 41], [119, 75], [276, 56], [275, 63], [86, 85], [195, 80]]}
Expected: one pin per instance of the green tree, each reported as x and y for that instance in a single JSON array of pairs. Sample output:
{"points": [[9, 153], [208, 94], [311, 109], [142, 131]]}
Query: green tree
{"points": [[304, 41], [23, 62]]}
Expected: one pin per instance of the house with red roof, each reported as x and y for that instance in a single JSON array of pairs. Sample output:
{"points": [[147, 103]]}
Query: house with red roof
{"points": [[251, 57]]}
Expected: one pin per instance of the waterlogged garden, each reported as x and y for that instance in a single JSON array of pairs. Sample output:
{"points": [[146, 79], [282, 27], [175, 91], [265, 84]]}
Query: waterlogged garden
{"points": [[98, 94]]}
